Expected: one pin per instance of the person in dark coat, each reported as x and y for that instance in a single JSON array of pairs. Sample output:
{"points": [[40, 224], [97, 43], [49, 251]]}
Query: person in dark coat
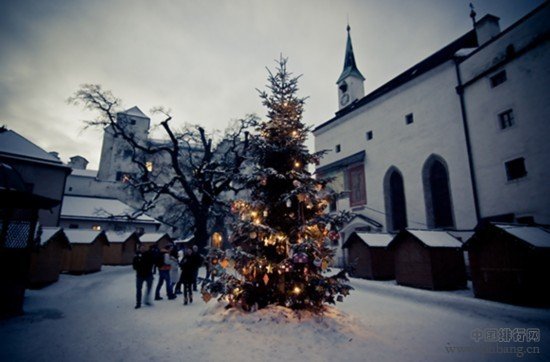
{"points": [[197, 263], [187, 265], [143, 265]]}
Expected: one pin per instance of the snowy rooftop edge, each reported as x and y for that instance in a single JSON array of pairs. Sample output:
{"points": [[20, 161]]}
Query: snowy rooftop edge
{"points": [[76, 236], [436, 238], [151, 237], [375, 239], [533, 235], [117, 237], [93, 207]]}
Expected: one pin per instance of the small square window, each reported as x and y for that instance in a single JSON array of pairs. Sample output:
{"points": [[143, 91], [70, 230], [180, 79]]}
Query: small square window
{"points": [[506, 119], [132, 121], [498, 78], [515, 169], [369, 135], [338, 148], [409, 118]]}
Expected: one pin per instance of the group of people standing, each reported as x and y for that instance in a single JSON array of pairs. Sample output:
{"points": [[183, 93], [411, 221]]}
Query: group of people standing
{"points": [[175, 269]]}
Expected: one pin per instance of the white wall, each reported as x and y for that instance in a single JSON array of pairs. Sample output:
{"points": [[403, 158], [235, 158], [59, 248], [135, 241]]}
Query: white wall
{"points": [[526, 92], [437, 129]]}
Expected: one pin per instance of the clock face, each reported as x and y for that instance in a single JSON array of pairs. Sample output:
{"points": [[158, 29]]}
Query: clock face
{"points": [[344, 99]]}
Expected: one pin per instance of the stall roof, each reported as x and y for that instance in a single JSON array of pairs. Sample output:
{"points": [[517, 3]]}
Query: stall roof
{"points": [[373, 239], [151, 237], [77, 236], [48, 233], [533, 235], [116, 237], [436, 238]]}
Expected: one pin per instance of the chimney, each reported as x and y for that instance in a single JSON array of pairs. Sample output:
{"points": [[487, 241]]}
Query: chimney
{"points": [[54, 154], [78, 162], [487, 28]]}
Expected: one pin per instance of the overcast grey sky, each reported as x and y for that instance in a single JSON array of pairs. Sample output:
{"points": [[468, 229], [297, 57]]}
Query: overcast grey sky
{"points": [[204, 59]]}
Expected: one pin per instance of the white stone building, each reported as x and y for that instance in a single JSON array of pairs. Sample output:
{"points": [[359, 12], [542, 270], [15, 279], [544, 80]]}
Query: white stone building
{"points": [[505, 86], [426, 149]]}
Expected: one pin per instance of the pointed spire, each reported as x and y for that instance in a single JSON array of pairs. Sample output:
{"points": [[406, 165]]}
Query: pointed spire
{"points": [[350, 68]]}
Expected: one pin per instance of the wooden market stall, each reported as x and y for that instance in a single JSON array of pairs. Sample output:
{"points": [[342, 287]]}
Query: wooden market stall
{"points": [[369, 256], [428, 259]]}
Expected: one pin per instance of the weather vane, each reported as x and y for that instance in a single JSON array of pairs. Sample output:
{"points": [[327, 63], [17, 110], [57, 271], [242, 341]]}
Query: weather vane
{"points": [[473, 14]]}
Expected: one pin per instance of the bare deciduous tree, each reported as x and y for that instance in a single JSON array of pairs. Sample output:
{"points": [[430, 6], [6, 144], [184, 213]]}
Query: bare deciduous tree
{"points": [[193, 175]]}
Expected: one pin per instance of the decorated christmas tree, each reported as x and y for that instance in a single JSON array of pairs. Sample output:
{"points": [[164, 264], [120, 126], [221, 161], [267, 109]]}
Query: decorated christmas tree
{"points": [[281, 238]]}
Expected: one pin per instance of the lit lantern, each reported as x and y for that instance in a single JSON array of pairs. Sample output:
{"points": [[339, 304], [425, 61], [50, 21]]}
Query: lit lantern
{"points": [[217, 240], [296, 290]]}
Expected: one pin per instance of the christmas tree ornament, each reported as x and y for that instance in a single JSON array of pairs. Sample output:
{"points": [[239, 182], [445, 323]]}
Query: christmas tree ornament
{"points": [[317, 262], [300, 258]]}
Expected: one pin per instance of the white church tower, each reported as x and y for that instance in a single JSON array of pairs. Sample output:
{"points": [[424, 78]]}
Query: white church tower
{"points": [[350, 82]]}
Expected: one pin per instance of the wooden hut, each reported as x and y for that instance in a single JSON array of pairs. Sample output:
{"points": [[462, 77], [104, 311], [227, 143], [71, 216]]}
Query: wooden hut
{"points": [[510, 263], [86, 254], [369, 256], [428, 260], [47, 257], [121, 248], [159, 239]]}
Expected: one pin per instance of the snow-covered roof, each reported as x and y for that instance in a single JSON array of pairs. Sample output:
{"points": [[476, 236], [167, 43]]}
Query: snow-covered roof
{"points": [[461, 235], [185, 240], [464, 52], [135, 111], [12, 143], [84, 173], [534, 235], [375, 239], [151, 237], [77, 236], [436, 238], [116, 237], [48, 232], [97, 208]]}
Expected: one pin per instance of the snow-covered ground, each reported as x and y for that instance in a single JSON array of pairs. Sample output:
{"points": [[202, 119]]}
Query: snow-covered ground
{"points": [[91, 318]]}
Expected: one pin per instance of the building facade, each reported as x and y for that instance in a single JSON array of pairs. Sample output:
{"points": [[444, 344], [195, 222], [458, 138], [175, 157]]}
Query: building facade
{"points": [[439, 146]]}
